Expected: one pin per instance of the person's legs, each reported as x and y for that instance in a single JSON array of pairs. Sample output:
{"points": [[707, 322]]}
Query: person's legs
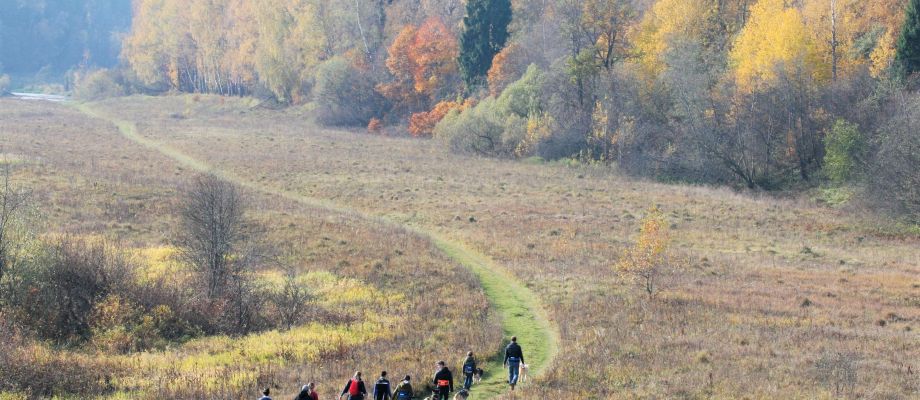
{"points": [[513, 369], [469, 382], [443, 394]]}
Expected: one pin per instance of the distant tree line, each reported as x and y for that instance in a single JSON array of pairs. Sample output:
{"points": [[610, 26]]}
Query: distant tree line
{"points": [[765, 94], [51, 37]]}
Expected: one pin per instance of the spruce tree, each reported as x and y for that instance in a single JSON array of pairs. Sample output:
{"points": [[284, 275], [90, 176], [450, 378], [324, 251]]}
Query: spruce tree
{"points": [[485, 31], [908, 45]]}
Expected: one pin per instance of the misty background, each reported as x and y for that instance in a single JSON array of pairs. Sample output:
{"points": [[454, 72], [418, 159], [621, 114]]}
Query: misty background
{"points": [[40, 40]]}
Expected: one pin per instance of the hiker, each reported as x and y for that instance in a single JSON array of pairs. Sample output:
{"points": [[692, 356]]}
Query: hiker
{"points": [[355, 388], [469, 369], [403, 389], [265, 394], [514, 356], [443, 381], [382, 388], [307, 392]]}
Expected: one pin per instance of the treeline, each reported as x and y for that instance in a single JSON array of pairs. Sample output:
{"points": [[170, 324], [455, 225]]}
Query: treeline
{"points": [[767, 94], [50, 37]]}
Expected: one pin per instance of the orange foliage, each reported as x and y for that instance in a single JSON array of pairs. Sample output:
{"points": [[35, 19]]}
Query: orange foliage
{"points": [[506, 68], [399, 62], [433, 54], [374, 126], [422, 124], [420, 60]]}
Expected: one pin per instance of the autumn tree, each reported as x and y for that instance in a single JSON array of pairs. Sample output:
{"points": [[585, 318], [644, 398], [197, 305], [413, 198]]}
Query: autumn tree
{"points": [[485, 31], [422, 62], [775, 37], [644, 262], [213, 232], [433, 54], [908, 45]]}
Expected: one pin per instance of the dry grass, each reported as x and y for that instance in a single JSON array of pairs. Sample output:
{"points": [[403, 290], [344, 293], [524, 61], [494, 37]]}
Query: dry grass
{"points": [[777, 298], [380, 294], [736, 323]]}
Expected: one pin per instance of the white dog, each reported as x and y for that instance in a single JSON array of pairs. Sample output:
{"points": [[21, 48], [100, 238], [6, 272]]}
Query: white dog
{"points": [[522, 372]]}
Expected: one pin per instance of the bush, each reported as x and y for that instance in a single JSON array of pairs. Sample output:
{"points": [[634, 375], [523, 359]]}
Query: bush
{"points": [[345, 95], [844, 147], [513, 124], [97, 85], [422, 124], [62, 287], [524, 97], [478, 130], [895, 183]]}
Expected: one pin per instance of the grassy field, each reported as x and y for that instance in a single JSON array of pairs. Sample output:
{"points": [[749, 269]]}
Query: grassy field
{"points": [[380, 293], [520, 312], [766, 298]]}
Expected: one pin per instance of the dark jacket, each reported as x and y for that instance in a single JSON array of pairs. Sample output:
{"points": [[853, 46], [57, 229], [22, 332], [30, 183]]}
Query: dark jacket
{"points": [[382, 389], [444, 375], [304, 395], [361, 388], [513, 350], [469, 361], [403, 386]]}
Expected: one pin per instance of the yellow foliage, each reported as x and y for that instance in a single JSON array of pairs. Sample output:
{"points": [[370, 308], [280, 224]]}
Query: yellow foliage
{"points": [[538, 128], [156, 262], [666, 21], [644, 260], [775, 37], [883, 55]]}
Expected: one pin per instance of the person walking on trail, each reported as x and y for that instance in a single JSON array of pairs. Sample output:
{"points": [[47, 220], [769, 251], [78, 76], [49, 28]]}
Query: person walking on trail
{"points": [[355, 388], [382, 388], [514, 357], [265, 394], [443, 381], [304, 393], [307, 392], [469, 369], [403, 389]]}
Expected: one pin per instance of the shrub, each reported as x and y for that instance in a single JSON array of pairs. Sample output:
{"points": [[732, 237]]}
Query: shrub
{"points": [[643, 263], [422, 124], [524, 97], [97, 85], [63, 288], [374, 126], [345, 95], [844, 149], [477, 130], [895, 182]]}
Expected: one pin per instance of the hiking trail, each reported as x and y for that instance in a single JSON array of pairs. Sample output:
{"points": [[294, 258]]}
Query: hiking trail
{"points": [[520, 310]]}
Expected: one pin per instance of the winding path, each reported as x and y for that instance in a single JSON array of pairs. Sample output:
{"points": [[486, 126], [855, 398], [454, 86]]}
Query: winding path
{"points": [[521, 312]]}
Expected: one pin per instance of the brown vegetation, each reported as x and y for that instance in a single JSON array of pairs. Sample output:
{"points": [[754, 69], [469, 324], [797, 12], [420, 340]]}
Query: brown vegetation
{"points": [[733, 324]]}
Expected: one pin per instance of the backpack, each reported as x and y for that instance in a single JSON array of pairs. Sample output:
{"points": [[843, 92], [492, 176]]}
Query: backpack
{"points": [[353, 388], [403, 392], [468, 368]]}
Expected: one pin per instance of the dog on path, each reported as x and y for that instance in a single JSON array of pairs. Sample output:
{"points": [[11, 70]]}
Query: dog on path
{"points": [[477, 375], [523, 372]]}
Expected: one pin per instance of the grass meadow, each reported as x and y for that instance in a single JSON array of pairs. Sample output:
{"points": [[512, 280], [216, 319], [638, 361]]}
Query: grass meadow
{"points": [[763, 297], [380, 297]]}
